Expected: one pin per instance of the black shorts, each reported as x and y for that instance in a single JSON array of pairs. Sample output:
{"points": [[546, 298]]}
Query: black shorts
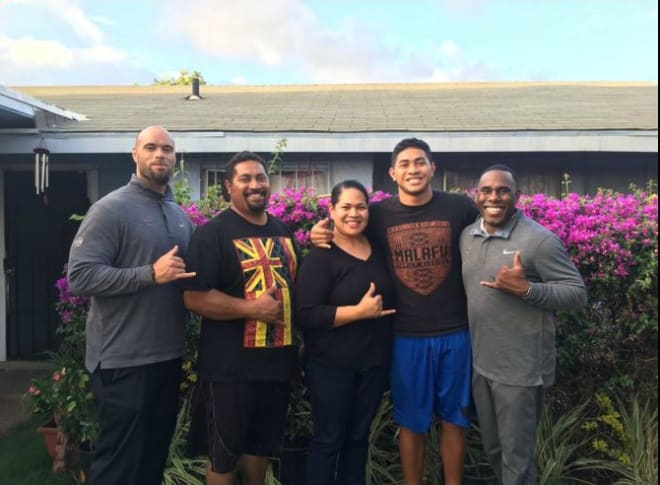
{"points": [[230, 419]]}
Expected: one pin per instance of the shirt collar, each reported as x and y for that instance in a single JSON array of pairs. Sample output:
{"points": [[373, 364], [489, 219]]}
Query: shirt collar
{"points": [[503, 232], [135, 180]]}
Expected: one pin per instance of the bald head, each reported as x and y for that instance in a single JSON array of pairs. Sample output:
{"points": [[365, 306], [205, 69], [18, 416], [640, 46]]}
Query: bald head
{"points": [[150, 131], [154, 157]]}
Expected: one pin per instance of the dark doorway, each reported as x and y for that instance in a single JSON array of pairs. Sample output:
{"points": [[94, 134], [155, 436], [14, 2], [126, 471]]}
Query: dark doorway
{"points": [[38, 234]]}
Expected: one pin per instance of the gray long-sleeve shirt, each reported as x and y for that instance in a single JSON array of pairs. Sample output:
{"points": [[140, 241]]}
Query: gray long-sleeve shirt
{"points": [[132, 321], [513, 338]]}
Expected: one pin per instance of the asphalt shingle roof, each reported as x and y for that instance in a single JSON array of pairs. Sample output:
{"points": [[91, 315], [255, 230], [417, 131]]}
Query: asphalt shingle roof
{"points": [[361, 108]]}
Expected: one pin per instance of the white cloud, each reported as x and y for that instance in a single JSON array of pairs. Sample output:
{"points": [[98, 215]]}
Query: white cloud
{"points": [[27, 52], [97, 19], [83, 58], [282, 35], [27, 61], [267, 31], [286, 34], [68, 12], [102, 54], [162, 75], [80, 23], [449, 49]]}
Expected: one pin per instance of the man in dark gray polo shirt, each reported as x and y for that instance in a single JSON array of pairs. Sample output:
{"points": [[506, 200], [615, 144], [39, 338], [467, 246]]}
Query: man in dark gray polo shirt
{"points": [[516, 274], [128, 256]]}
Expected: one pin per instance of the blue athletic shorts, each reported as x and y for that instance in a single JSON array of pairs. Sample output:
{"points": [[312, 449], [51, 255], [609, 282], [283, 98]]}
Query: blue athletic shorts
{"points": [[431, 375]]}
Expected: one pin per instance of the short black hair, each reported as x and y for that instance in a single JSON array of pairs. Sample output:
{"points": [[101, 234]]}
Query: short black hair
{"points": [[411, 143], [347, 184], [243, 156], [502, 168]]}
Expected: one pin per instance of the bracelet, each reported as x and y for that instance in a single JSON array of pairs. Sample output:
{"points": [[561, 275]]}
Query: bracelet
{"points": [[528, 292]]}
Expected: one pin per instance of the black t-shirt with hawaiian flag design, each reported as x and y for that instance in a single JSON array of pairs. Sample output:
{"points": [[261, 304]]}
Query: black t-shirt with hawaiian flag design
{"points": [[244, 260]]}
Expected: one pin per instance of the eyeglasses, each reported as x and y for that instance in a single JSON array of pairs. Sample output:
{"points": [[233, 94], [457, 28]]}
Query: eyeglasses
{"points": [[500, 191]]}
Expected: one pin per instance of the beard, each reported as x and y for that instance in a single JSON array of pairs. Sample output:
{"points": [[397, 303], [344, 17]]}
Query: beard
{"points": [[256, 208], [158, 178]]}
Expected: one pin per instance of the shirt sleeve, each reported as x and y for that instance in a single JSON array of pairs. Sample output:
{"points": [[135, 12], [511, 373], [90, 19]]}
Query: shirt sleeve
{"points": [[472, 212], [561, 286], [313, 286], [91, 269], [203, 259]]}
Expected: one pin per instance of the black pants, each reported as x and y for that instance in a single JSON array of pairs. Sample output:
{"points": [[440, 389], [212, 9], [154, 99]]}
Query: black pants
{"points": [[137, 408], [344, 402]]}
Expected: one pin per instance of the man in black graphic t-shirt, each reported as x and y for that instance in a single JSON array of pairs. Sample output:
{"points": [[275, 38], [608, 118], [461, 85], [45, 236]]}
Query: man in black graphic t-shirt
{"points": [[246, 265]]}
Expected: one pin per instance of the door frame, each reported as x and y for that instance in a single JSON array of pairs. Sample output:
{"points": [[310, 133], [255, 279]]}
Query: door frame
{"points": [[92, 194], [3, 289]]}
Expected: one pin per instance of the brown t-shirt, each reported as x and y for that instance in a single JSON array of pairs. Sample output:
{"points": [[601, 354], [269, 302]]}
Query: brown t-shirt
{"points": [[424, 260]]}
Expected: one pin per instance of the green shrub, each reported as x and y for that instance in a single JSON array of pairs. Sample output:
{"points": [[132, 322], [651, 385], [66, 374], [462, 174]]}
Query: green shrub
{"points": [[627, 435]]}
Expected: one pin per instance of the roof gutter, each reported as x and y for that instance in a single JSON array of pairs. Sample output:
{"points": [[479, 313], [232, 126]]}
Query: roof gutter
{"points": [[27, 106]]}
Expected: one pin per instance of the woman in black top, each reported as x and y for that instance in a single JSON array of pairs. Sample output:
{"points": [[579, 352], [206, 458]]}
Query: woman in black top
{"points": [[344, 298]]}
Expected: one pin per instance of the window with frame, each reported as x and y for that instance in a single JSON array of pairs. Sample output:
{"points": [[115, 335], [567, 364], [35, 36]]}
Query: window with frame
{"points": [[296, 175], [212, 176], [288, 175]]}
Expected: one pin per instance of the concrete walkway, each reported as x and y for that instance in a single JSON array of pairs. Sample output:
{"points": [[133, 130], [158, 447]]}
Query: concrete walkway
{"points": [[15, 378]]}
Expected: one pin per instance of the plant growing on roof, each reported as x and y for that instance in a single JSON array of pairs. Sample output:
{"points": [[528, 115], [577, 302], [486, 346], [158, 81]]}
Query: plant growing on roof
{"points": [[183, 78]]}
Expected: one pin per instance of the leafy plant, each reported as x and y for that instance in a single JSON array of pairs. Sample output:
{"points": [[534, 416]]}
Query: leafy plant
{"points": [[383, 462], [183, 78], [66, 395], [613, 342], [276, 156], [179, 469], [41, 397], [476, 462], [561, 449], [383, 466], [78, 414], [181, 189], [628, 436], [193, 324], [299, 425]]}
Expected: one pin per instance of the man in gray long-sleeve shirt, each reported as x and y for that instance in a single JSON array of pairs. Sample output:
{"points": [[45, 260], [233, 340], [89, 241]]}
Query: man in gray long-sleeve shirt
{"points": [[516, 274], [127, 255]]}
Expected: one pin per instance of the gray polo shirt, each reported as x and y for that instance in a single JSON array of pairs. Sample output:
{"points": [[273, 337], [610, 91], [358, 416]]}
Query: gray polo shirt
{"points": [[513, 338]]}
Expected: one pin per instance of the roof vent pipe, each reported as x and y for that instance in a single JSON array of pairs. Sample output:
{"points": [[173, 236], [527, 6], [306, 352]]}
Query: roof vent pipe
{"points": [[195, 90]]}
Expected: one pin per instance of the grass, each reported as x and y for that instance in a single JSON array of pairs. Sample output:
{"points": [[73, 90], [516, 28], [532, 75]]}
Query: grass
{"points": [[24, 459]]}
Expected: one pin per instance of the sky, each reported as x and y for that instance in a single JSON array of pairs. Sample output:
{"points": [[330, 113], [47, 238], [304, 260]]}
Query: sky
{"points": [[273, 42]]}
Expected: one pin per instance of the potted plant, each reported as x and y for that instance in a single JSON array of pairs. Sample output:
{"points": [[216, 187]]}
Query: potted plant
{"points": [[65, 397], [65, 402], [40, 398]]}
